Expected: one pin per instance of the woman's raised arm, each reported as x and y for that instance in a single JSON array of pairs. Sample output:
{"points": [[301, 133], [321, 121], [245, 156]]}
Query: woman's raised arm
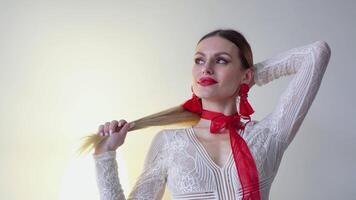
{"points": [[150, 184], [308, 63]]}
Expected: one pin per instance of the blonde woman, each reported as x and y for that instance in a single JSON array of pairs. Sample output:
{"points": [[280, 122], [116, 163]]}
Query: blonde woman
{"points": [[223, 154]]}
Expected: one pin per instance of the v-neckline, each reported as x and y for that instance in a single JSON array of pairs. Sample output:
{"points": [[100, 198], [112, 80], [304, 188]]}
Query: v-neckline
{"points": [[204, 153]]}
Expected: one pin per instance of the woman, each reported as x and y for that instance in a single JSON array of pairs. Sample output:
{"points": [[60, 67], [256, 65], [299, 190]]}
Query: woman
{"points": [[219, 156]]}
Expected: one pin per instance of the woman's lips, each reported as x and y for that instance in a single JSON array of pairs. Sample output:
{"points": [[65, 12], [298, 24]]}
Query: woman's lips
{"points": [[206, 81]]}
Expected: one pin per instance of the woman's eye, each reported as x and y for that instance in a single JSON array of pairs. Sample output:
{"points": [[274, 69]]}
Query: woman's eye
{"points": [[222, 61], [198, 61], [218, 60]]}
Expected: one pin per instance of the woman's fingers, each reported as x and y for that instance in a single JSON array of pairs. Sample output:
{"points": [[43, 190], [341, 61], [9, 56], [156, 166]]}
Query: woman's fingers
{"points": [[106, 128], [101, 130], [117, 130], [113, 126], [124, 128], [121, 135], [109, 128], [121, 122], [118, 127]]}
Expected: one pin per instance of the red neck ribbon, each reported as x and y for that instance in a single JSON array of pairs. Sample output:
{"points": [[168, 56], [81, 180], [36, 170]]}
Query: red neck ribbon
{"points": [[245, 164]]}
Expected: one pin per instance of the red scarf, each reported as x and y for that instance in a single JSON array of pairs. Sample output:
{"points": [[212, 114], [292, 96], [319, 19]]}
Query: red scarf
{"points": [[245, 164]]}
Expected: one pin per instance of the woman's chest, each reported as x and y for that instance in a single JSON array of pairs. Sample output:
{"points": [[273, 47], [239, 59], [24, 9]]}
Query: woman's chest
{"points": [[192, 166]]}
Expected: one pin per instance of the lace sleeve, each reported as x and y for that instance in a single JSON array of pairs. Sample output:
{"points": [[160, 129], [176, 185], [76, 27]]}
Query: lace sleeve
{"points": [[107, 177], [308, 63], [149, 185]]}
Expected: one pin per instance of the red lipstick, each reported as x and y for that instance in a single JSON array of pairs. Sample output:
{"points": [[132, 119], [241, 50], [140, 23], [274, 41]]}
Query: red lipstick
{"points": [[205, 81]]}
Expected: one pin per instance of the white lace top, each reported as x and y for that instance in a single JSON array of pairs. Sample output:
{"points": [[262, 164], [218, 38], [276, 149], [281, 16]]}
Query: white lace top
{"points": [[177, 159]]}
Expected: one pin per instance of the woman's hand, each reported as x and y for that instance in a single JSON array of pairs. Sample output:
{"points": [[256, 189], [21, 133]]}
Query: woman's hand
{"points": [[115, 133]]}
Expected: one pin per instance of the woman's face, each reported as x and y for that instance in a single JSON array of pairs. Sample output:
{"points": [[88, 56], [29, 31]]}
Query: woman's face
{"points": [[217, 58]]}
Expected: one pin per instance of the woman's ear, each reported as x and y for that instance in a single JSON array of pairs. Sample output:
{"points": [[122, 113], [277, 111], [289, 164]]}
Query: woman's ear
{"points": [[248, 76]]}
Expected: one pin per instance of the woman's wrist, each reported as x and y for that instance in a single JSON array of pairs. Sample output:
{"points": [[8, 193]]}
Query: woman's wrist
{"points": [[100, 151]]}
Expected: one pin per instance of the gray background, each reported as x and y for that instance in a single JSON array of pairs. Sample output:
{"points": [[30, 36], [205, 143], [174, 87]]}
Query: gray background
{"points": [[66, 66]]}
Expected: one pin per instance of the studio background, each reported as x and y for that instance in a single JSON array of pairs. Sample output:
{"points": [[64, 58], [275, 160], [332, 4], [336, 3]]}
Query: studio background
{"points": [[68, 66]]}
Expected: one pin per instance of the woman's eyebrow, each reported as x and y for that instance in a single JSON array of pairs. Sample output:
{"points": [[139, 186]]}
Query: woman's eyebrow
{"points": [[218, 53]]}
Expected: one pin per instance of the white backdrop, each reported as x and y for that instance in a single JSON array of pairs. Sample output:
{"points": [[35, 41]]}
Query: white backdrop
{"points": [[67, 66]]}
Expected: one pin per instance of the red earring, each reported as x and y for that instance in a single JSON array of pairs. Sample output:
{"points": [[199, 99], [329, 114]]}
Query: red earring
{"points": [[245, 108], [193, 104]]}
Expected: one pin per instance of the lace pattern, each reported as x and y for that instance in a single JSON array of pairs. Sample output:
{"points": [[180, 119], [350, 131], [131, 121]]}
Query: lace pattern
{"points": [[107, 176], [174, 159]]}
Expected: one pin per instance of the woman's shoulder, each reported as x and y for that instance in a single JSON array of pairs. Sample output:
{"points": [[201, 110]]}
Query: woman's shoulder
{"points": [[264, 124]]}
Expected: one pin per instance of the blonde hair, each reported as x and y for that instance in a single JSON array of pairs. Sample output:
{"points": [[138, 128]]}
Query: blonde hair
{"points": [[174, 115]]}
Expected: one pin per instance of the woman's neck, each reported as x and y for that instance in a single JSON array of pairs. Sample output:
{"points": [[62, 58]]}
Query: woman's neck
{"points": [[227, 108]]}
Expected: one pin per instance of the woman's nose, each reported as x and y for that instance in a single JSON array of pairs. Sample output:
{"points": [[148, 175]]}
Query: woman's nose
{"points": [[208, 68]]}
